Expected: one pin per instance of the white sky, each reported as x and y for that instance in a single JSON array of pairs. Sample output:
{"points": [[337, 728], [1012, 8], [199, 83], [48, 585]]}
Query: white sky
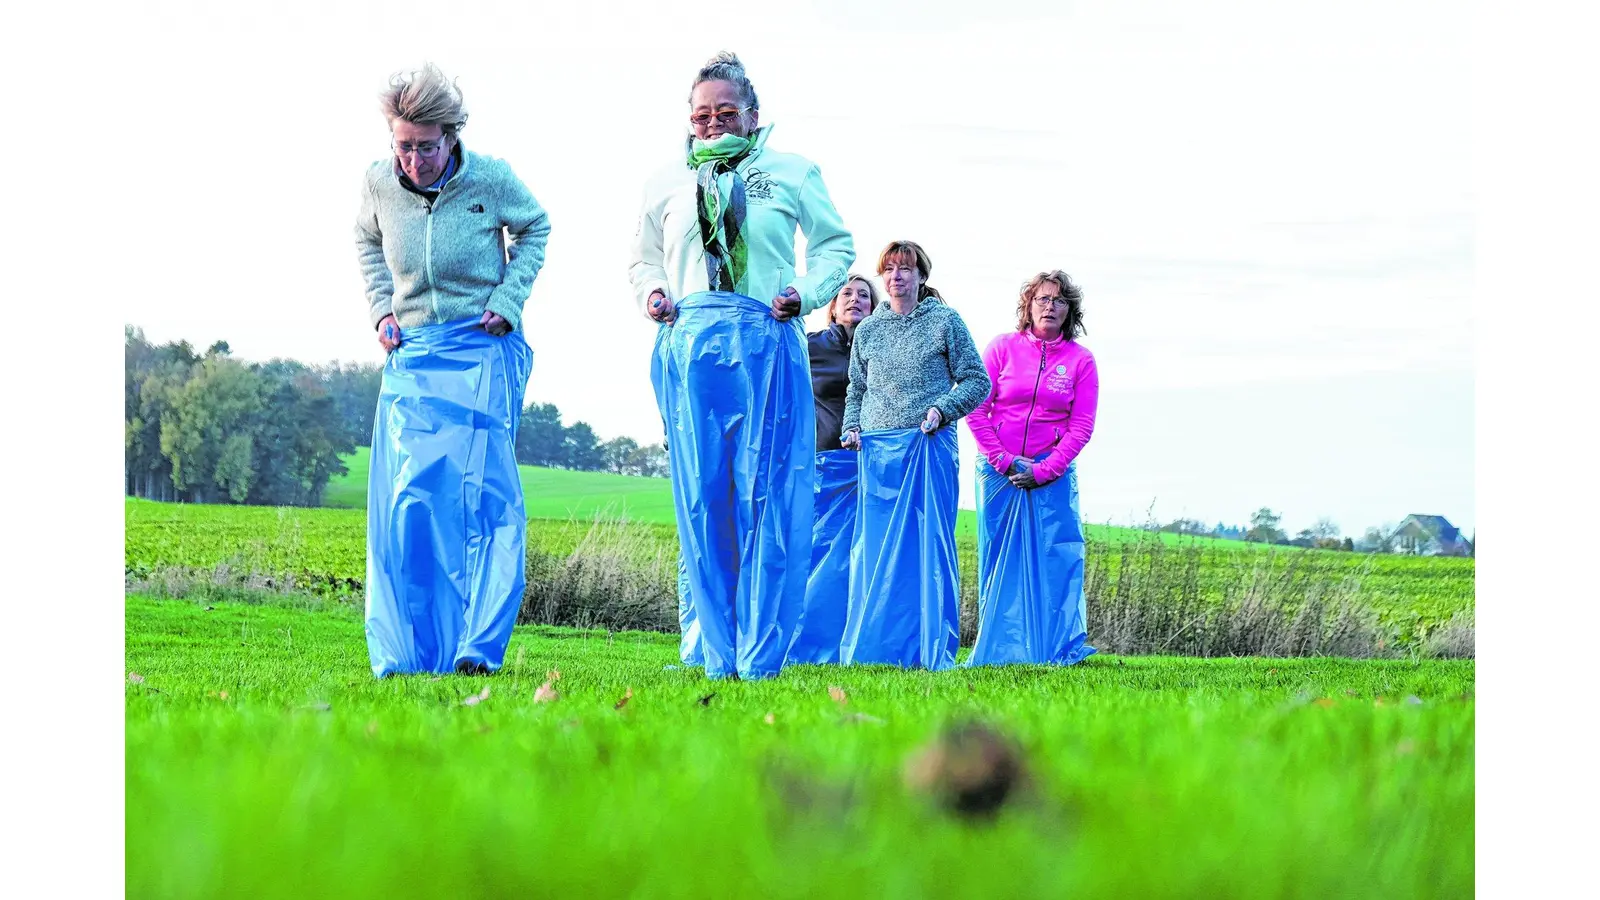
{"points": [[1270, 210]]}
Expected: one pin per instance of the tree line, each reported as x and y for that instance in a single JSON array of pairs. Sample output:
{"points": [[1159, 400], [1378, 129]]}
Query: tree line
{"points": [[1265, 529], [209, 428]]}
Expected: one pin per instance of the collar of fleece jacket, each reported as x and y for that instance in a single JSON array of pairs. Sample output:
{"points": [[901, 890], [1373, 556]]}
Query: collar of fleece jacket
{"points": [[1035, 340], [458, 165]]}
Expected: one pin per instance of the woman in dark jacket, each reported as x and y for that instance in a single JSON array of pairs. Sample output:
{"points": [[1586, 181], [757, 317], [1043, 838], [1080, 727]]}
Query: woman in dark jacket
{"points": [[830, 357], [816, 640]]}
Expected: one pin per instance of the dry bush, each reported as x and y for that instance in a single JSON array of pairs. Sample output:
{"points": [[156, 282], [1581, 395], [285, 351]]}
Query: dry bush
{"points": [[1455, 639], [615, 578], [1146, 597]]}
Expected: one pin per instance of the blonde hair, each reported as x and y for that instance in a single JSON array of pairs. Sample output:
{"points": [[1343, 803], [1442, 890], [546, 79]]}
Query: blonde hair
{"points": [[424, 97], [910, 252], [1073, 327], [872, 294]]}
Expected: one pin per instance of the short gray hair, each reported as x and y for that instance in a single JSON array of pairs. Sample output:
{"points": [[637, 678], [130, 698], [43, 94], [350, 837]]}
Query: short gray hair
{"points": [[725, 66], [424, 97]]}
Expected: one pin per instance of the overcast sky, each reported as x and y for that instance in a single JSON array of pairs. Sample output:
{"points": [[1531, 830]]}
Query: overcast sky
{"points": [[1269, 209]]}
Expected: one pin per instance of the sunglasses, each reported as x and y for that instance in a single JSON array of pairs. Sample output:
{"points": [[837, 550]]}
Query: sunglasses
{"points": [[725, 116]]}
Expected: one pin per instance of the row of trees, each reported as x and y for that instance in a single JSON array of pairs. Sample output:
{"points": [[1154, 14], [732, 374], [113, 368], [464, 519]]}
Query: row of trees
{"points": [[1265, 528], [208, 428], [543, 441]]}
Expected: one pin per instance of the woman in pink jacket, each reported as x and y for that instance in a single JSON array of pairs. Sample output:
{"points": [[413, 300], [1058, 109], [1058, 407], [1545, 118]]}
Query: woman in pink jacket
{"points": [[1036, 419]]}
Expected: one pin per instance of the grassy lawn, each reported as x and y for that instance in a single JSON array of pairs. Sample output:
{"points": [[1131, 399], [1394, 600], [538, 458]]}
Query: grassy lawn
{"points": [[1151, 776]]}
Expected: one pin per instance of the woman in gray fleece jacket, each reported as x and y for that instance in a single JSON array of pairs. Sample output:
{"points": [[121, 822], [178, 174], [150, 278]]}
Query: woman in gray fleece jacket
{"points": [[914, 370], [449, 243]]}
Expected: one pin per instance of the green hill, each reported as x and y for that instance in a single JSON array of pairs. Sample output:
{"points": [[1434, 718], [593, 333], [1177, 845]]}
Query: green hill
{"points": [[548, 493], [563, 494]]}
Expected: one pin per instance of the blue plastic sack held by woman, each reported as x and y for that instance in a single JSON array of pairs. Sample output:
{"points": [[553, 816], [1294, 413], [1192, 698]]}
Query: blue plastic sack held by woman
{"points": [[446, 528], [817, 637], [732, 386], [1030, 565], [688, 629], [904, 590]]}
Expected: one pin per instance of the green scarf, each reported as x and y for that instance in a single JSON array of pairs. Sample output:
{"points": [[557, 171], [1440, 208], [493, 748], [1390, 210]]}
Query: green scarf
{"points": [[721, 217]]}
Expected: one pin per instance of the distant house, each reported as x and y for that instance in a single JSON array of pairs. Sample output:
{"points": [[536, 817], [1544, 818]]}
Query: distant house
{"points": [[1429, 536]]}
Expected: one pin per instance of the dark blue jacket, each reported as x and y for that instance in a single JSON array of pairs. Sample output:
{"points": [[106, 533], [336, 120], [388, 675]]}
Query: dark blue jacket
{"points": [[830, 378]]}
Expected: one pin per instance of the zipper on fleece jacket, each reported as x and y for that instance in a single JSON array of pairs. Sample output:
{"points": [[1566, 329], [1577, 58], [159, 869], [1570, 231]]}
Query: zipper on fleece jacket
{"points": [[427, 258]]}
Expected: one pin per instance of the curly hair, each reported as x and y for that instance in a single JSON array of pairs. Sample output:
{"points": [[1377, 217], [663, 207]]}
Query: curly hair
{"points": [[1073, 327]]}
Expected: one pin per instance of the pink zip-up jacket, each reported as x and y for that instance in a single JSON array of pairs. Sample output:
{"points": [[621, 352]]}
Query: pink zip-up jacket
{"points": [[1042, 396]]}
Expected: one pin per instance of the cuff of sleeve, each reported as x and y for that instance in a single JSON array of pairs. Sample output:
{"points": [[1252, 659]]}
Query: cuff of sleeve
{"points": [[946, 413], [814, 294], [808, 303], [511, 312], [648, 288], [379, 312], [1049, 470], [1001, 462]]}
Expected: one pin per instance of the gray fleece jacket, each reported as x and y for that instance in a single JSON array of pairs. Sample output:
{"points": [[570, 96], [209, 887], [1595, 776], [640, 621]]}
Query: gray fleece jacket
{"points": [[430, 263], [902, 365]]}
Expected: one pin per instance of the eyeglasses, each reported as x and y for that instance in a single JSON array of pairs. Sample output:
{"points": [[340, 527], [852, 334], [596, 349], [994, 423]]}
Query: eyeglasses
{"points": [[425, 149], [724, 116], [1061, 302]]}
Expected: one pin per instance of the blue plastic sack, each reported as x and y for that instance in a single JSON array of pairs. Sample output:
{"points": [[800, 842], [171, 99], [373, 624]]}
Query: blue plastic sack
{"points": [[446, 530], [821, 628], [734, 389], [689, 643], [905, 596], [1030, 572]]}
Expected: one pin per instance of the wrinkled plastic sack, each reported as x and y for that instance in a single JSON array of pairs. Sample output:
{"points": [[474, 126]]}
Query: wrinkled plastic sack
{"points": [[1030, 572], [689, 642], [446, 528], [734, 389], [821, 628], [905, 596]]}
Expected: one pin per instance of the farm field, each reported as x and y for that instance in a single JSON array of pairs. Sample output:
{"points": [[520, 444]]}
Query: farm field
{"points": [[263, 760]]}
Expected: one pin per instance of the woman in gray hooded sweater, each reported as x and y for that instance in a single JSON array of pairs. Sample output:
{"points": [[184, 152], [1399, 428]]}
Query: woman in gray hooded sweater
{"points": [[914, 370]]}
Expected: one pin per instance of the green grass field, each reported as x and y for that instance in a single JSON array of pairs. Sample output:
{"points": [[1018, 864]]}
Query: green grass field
{"points": [[263, 760], [547, 493], [561, 494]]}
